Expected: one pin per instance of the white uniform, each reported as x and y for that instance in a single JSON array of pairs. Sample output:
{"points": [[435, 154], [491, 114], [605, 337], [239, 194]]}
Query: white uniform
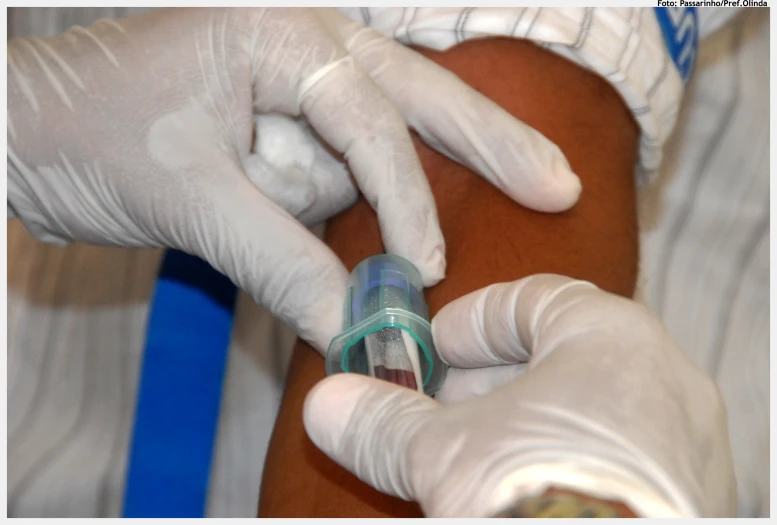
{"points": [[76, 321]]}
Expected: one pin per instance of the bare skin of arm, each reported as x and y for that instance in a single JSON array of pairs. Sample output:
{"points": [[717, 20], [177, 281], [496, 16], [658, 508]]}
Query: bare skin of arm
{"points": [[489, 239]]}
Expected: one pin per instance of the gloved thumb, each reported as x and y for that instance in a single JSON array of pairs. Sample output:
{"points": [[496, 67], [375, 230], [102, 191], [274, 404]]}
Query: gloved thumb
{"points": [[368, 426], [503, 324], [490, 335]]}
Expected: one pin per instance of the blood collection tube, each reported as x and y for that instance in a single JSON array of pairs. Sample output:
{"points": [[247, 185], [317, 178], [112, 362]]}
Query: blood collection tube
{"points": [[387, 331]]}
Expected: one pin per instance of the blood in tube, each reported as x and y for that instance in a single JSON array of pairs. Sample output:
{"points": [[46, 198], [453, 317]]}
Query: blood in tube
{"points": [[392, 355], [396, 376]]}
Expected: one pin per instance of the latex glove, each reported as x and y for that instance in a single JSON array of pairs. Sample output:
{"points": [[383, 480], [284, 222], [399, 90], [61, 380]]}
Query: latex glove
{"points": [[301, 174], [138, 133], [608, 406]]}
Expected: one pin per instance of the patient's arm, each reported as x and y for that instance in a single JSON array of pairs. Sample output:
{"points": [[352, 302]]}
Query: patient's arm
{"points": [[489, 239]]}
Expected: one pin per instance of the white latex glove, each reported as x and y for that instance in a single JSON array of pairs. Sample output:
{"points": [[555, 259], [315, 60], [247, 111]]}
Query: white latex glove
{"points": [[608, 406], [297, 171], [138, 133]]}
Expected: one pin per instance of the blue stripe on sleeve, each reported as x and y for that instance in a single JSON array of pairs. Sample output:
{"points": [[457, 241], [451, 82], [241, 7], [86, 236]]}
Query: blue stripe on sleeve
{"points": [[680, 27]]}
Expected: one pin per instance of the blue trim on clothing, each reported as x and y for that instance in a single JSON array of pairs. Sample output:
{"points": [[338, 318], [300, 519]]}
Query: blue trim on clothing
{"points": [[680, 27]]}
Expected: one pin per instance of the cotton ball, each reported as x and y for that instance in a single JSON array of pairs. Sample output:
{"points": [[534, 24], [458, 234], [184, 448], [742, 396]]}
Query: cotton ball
{"points": [[286, 144], [282, 162]]}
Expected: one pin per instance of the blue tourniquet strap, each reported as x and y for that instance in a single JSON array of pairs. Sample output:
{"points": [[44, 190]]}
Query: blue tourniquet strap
{"points": [[179, 395]]}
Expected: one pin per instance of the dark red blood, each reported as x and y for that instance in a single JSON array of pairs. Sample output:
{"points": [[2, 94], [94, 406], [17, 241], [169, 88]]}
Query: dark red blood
{"points": [[396, 376]]}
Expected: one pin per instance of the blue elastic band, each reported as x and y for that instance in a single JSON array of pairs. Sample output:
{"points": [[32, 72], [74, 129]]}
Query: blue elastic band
{"points": [[680, 27], [179, 397]]}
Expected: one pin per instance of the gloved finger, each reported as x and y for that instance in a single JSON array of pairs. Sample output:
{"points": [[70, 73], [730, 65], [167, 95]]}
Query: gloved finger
{"points": [[304, 68], [463, 124], [270, 255], [499, 324], [294, 169], [351, 113], [367, 426], [462, 384]]}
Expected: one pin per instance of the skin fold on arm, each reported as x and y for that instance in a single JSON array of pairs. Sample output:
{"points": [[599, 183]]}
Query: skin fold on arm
{"points": [[489, 239]]}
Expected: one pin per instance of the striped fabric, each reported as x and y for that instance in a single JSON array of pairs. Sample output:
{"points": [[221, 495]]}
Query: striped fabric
{"points": [[76, 315], [624, 45], [705, 237]]}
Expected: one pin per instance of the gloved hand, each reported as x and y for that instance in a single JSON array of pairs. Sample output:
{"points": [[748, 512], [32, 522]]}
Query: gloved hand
{"points": [[608, 405], [295, 169], [138, 133]]}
